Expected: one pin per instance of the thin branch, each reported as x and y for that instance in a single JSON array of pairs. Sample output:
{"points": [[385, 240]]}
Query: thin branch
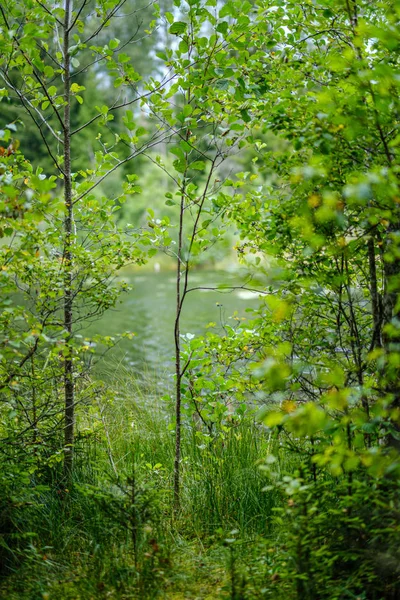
{"points": [[125, 104], [228, 289], [49, 12], [104, 23], [137, 152], [25, 102], [101, 57], [27, 356], [34, 72], [77, 16]]}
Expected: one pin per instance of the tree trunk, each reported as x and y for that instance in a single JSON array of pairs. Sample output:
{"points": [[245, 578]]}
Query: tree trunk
{"points": [[390, 318], [69, 389], [375, 300], [178, 371]]}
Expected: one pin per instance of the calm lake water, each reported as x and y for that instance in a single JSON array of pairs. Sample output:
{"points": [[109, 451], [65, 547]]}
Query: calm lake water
{"points": [[148, 310]]}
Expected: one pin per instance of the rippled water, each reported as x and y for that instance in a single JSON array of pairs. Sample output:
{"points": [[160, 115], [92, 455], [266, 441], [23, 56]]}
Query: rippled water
{"points": [[149, 311]]}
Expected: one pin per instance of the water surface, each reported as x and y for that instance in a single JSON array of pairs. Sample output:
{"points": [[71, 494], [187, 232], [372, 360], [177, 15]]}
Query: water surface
{"points": [[148, 310]]}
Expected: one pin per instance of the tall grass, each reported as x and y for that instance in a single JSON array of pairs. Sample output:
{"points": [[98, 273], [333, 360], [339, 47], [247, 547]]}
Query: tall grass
{"points": [[114, 532], [222, 482]]}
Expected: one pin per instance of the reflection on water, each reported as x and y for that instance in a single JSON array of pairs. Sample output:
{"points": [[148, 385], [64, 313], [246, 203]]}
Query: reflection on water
{"points": [[148, 310]]}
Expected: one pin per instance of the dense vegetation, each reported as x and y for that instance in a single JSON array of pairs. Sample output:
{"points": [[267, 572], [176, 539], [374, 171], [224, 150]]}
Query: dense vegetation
{"points": [[194, 133]]}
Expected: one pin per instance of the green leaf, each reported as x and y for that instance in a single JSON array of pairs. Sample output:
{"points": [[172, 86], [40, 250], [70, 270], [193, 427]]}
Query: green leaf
{"points": [[48, 71], [113, 44], [140, 131], [222, 27], [228, 10], [75, 87], [223, 84], [183, 47], [180, 165], [178, 28], [198, 165], [273, 418], [123, 58], [177, 151]]}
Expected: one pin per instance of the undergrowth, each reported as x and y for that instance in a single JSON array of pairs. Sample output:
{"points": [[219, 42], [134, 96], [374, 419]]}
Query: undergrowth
{"points": [[113, 533], [257, 520]]}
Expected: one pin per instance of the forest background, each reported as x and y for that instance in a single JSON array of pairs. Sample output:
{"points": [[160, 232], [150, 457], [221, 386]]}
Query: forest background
{"points": [[262, 462]]}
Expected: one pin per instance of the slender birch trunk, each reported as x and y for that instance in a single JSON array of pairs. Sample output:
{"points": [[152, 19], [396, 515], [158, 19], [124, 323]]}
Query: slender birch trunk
{"points": [[69, 390], [178, 371]]}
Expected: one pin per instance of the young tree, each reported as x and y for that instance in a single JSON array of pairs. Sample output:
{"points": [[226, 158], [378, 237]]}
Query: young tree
{"points": [[211, 122], [80, 247]]}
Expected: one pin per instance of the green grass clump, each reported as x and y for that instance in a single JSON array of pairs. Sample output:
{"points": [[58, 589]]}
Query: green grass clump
{"points": [[113, 532]]}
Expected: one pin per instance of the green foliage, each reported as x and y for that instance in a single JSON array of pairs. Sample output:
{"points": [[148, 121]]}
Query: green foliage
{"points": [[282, 456]]}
